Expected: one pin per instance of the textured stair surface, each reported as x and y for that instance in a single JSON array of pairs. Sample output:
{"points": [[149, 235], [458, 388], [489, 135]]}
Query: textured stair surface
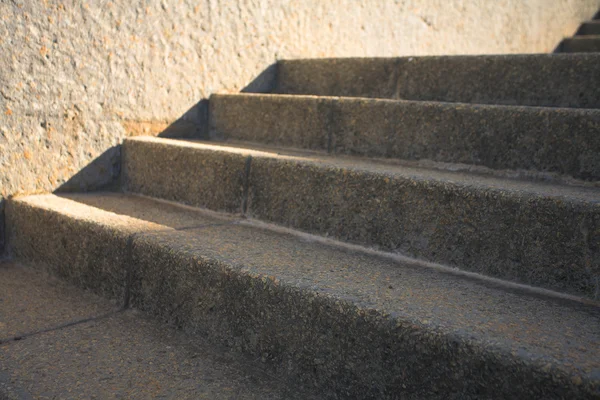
{"points": [[537, 233], [74, 345], [581, 44], [565, 141], [347, 321], [381, 228], [589, 28], [502, 79]]}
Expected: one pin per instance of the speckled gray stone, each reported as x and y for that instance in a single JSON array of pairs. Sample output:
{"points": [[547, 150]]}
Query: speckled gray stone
{"points": [[211, 179], [120, 355], [89, 255], [554, 80], [536, 233], [564, 141], [350, 323], [580, 44]]}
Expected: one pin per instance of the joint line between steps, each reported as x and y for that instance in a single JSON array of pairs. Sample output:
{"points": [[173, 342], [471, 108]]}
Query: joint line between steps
{"points": [[60, 326], [246, 183], [130, 261]]}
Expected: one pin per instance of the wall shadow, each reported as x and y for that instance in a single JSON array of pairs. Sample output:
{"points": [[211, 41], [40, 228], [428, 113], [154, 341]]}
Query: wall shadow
{"points": [[103, 173], [265, 82], [193, 124]]}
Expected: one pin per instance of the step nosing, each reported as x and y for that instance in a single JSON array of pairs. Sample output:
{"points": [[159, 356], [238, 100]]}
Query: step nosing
{"points": [[384, 168]]}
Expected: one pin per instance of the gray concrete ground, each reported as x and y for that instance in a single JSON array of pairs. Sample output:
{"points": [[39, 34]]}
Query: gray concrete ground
{"points": [[59, 342]]}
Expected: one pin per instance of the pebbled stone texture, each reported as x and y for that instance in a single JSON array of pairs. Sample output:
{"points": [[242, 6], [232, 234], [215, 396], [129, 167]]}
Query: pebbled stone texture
{"points": [[211, 178], [552, 80], [352, 324], [239, 118], [90, 255], [535, 233], [123, 354], [564, 141], [75, 79], [580, 44]]}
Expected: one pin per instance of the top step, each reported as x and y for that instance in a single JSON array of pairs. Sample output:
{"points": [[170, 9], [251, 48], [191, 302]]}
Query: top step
{"points": [[550, 80]]}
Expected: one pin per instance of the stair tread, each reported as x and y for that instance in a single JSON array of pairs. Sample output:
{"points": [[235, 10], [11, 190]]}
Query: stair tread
{"points": [[118, 353], [533, 326], [585, 193]]}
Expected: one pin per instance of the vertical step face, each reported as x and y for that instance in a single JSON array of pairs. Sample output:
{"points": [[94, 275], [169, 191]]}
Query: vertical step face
{"points": [[348, 323], [215, 180], [580, 44], [508, 80], [563, 141], [533, 233], [589, 28]]}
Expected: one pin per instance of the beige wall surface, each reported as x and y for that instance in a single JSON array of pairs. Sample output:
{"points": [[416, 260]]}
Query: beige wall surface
{"points": [[78, 76]]}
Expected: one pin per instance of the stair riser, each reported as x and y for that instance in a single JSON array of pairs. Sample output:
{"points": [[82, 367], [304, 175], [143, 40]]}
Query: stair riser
{"points": [[546, 241], [589, 28], [83, 253], [324, 342], [581, 45], [556, 140], [507, 80], [214, 181]]}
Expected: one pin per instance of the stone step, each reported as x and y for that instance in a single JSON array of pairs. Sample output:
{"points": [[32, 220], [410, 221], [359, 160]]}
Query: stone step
{"points": [[349, 322], [563, 141], [581, 44], [552, 80], [589, 28], [75, 345], [531, 232]]}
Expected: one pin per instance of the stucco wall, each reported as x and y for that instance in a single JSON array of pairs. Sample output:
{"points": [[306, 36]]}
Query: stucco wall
{"points": [[77, 76]]}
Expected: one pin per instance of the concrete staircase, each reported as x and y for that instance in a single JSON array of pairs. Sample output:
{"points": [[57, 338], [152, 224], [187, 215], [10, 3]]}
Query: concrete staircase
{"points": [[373, 228], [586, 39]]}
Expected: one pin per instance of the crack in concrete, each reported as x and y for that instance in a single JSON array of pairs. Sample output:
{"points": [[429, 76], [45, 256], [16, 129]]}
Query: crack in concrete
{"points": [[246, 185], [60, 326]]}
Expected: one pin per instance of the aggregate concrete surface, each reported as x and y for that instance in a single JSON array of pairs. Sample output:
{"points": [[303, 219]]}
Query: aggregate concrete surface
{"points": [[332, 318], [532, 232], [552, 80], [108, 352], [560, 140]]}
